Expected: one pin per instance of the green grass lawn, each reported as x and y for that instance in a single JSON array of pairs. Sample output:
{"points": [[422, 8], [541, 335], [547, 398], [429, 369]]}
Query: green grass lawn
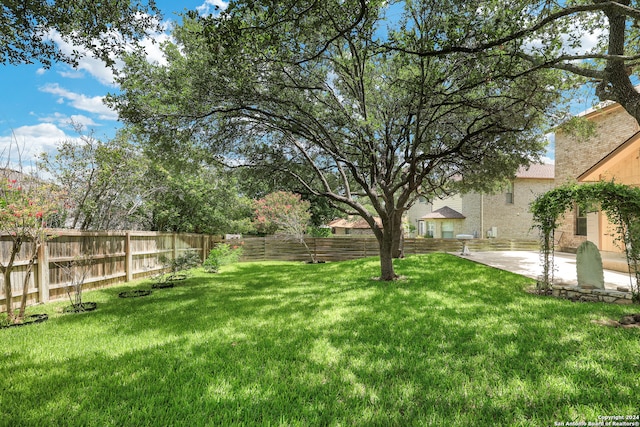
{"points": [[453, 344]]}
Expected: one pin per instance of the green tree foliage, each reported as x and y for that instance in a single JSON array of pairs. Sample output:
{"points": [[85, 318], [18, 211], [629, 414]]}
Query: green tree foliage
{"points": [[102, 181], [103, 28], [114, 184], [204, 200], [313, 91], [594, 42]]}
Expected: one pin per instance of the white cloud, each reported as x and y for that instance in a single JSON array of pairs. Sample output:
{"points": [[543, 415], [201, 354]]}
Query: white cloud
{"points": [[88, 62], [209, 7], [84, 121], [548, 160], [73, 74], [152, 46], [82, 102], [67, 122], [26, 143]]}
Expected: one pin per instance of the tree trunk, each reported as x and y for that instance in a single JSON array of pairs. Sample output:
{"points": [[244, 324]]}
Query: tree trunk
{"points": [[8, 292], [25, 283], [385, 241], [397, 237], [313, 258]]}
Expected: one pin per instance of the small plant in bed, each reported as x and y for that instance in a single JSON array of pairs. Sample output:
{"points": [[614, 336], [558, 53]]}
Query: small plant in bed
{"points": [[222, 254], [178, 269], [76, 272], [28, 320]]}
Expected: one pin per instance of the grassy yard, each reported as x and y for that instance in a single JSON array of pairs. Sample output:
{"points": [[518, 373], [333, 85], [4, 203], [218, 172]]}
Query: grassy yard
{"points": [[453, 344]]}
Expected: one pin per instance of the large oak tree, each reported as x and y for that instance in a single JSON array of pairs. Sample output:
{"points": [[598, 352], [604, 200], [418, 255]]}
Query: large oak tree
{"points": [[350, 106]]}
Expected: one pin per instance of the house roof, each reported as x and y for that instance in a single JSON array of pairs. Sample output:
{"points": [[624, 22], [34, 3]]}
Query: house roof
{"points": [[593, 173], [600, 108], [536, 171], [444, 212], [360, 223]]}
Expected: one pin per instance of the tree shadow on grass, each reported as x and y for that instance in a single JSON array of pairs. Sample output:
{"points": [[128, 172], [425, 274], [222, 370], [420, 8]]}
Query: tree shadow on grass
{"points": [[453, 344]]}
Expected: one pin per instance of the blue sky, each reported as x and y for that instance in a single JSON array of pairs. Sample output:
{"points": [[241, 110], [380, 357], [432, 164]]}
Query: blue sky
{"points": [[38, 105]]}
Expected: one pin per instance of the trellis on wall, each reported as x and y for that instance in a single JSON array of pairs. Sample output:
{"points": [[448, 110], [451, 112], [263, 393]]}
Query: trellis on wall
{"points": [[620, 202]]}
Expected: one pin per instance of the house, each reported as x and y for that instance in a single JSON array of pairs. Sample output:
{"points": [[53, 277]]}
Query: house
{"points": [[504, 214], [611, 153], [352, 226]]}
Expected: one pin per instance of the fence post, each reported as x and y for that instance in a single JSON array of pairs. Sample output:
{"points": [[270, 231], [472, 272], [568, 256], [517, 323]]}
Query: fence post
{"points": [[43, 272], [175, 245], [128, 257]]}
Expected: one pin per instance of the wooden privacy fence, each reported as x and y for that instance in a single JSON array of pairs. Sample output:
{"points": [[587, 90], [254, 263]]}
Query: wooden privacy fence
{"points": [[122, 256], [346, 248], [115, 257]]}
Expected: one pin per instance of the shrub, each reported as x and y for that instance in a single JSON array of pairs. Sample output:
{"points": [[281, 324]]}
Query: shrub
{"points": [[319, 231], [178, 265], [222, 254]]}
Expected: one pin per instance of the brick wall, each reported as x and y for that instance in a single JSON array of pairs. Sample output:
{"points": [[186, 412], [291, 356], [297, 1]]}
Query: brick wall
{"points": [[514, 220], [574, 155]]}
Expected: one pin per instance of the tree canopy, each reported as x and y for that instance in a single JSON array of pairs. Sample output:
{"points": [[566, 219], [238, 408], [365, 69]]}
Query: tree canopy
{"points": [[103, 28], [312, 91], [595, 41]]}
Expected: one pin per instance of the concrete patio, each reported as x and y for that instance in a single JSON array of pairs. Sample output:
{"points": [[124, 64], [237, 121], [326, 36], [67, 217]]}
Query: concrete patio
{"points": [[528, 263]]}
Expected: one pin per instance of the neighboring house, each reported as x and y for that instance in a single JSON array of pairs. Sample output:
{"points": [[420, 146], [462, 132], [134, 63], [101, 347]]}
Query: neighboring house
{"points": [[505, 214], [351, 226], [612, 153]]}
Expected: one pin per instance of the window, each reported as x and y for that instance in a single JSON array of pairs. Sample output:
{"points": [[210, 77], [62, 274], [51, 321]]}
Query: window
{"points": [[447, 230], [581, 222], [431, 229], [421, 228], [509, 194]]}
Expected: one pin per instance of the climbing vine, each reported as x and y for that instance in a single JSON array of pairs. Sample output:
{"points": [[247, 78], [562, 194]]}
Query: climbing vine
{"points": [[620, 202]]}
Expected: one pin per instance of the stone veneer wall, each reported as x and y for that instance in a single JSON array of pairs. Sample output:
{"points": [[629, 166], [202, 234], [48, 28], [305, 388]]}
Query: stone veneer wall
{"points": [[573, 156], [576, 293]]}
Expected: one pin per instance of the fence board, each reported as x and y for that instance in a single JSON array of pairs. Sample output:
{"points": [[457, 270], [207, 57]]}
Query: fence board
{"points": [[116, 257], [120, 256], [347, 248]]}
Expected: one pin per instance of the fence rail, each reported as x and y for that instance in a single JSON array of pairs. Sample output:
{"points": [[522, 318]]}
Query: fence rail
{"points": [[346, 248], [115, 257], [122, 256]]}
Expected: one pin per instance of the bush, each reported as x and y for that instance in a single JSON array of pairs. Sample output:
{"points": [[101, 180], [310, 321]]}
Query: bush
{"points": [[222, 254], [319, 231], [178, 266]]}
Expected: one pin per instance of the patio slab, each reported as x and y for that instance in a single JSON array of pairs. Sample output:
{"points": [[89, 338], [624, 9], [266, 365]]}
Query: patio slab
{"points": [[528, 263]]}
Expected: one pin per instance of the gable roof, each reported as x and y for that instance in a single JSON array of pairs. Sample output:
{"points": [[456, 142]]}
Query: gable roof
{"points": [[536, 171], [444, 212], [593, 173]]}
